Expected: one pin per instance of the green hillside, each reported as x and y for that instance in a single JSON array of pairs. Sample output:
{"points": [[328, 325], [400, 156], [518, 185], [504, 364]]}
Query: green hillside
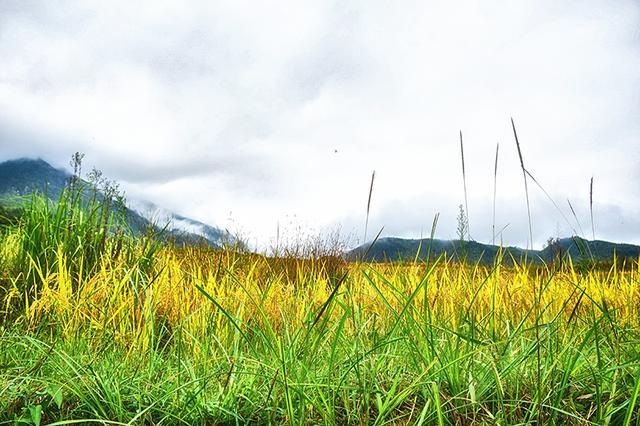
{"points": [[21, 178], [400, 249]]}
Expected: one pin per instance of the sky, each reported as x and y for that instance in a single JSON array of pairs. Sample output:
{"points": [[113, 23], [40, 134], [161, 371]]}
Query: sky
{"points": [[259, 116]]}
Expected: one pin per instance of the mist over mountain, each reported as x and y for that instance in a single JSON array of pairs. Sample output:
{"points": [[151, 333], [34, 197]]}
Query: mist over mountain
{"points": [[177, 223], [24, 176]]}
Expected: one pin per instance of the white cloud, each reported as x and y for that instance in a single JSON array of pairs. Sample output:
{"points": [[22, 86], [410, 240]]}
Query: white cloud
{"points": [[240, 107]]}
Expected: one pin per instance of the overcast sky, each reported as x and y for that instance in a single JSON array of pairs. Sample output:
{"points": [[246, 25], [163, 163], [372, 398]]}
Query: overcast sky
{"points": [[247, 114]]}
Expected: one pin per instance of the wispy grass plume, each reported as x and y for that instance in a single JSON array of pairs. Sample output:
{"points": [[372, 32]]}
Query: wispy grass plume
{"points": [[524, 175], [495, 186], [544, 191], [573, 212], [464, 183], [366, 223], [593, 230]]}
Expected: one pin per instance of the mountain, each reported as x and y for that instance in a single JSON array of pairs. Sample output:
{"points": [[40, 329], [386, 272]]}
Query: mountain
{"points": [[399, 249], [24, 176]]}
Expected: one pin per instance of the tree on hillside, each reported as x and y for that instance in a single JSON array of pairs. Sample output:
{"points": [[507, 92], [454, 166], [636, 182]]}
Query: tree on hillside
{"points": [[553, 244], [463, 225]]}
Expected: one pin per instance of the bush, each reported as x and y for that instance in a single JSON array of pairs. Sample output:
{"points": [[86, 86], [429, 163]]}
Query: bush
{"points": [[83, 226]]}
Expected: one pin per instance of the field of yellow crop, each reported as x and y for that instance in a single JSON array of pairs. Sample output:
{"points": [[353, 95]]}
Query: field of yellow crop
{"points": [[128, 330]]}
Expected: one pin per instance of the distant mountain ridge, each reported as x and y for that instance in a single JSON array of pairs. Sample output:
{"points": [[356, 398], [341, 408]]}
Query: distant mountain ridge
{"points": [[25, 175], [401, 249]]}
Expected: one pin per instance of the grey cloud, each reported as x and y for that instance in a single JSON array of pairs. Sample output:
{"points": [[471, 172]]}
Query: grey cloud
{"points": [[244, 169], [19, 139], [241, 170], [242, 129], [335, 59]]}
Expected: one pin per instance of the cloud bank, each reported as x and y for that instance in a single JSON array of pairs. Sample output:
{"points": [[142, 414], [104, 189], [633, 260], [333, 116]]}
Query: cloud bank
{"points": [[250, 114]]}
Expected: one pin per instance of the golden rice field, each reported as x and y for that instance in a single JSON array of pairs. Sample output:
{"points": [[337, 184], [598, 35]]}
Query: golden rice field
{"points": [[124, 330]]}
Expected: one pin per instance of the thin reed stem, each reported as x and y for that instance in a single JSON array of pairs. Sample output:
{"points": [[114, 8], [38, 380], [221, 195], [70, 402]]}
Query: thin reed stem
{"points": [[495, 189], [366, 223], [526, 187], [464, 184]]}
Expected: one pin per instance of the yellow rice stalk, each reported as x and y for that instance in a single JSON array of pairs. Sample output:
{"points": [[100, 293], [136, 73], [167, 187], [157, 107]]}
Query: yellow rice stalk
{"points": [[132, 306]]}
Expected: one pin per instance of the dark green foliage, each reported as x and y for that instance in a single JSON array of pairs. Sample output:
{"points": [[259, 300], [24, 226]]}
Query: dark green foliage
{"points": [[8, 216]]}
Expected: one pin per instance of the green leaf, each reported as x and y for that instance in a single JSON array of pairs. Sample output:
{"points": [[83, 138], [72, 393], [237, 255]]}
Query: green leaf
{"points": [[56, 394], [36, 414]]}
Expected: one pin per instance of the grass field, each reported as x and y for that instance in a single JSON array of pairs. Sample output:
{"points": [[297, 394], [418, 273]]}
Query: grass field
{"points": [[112, 329]]}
